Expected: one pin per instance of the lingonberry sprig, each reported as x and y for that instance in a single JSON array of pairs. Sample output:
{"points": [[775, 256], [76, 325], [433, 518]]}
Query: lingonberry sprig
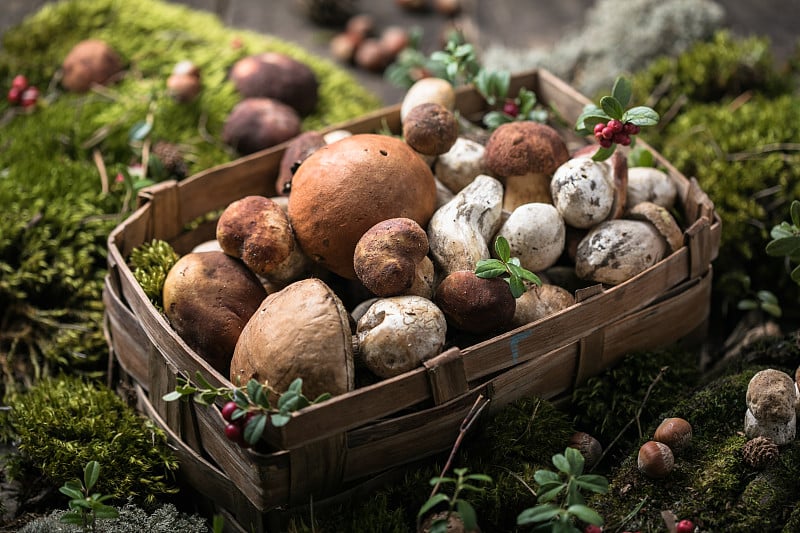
{"points": [[611, 123], [22, 93]]}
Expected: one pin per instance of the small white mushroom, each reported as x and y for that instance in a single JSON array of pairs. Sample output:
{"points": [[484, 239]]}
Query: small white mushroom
{"points": [[397, 334], [459, 231], [336, 135], [583, 192], [616, 250], [649, 184], [539, 302], [428, 90], [770, 407], [536, 234], [461, 164]]}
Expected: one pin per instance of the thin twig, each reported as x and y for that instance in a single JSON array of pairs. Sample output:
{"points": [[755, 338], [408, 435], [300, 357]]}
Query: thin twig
{"points": [[765, 149], [638, 414], [472, 415], [101, 168], [518, 478]]}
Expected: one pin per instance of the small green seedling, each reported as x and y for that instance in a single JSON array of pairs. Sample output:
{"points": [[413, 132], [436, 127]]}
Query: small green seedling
{"points": [[786, 240], [87, 507], [506, 267], [463, 482], [560, 504]]}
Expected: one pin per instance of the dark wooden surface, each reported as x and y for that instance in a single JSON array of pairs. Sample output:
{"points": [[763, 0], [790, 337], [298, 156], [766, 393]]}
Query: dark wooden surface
{"points": [[514, 23]]}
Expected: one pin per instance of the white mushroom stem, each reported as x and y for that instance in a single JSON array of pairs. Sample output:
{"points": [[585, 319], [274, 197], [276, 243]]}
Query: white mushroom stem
{"points": [[780, 431]]}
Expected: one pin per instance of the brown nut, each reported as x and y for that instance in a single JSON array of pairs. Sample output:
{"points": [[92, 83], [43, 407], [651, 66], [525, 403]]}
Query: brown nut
{"points": [[475, 305], [258, 123], [387, 255], [430, 129], [674, 432], [655, 459], [89, 62], [208, 299]]}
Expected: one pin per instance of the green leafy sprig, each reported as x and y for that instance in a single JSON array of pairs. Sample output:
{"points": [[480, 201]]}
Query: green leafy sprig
{"points": [[252, 400], [86, 507], [506, 267], [613, 106], [463, 482], [560, 503], [786, 240]]}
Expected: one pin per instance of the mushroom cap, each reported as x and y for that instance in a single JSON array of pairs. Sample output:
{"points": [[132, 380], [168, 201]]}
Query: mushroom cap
{"points": [[256, 230], [771, 395], [258, 123], [426, 90], [430, 128], [662, 219], [208, 299], [278, 76], [396, 334], [345, 188], [473, 304], [296, 152], [457, 167], [386, 256], [89, 62], [650, 184], [583, 192], [302, 331], [541, 301], [524, 147], [536, 234]]}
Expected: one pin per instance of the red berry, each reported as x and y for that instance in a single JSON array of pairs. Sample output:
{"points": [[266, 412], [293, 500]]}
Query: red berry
{"points": [[630, 128], [227, 411], [591, 528], [621, 138], [29, 96], [14, 95], [607, 133], [598, 128], [615, 125], [234, 433], [605, 143], [511, 108], [684, 526], [19, 82]]}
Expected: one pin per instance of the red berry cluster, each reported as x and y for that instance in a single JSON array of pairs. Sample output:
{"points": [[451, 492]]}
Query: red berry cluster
{"points": [[21, 93], [615, 132], [234, 429]]}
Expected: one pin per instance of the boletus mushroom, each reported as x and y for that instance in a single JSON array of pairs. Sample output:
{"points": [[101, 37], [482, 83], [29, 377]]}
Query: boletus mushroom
{"points": [[258, 123], [297, 150], [475, 305], [208, 299], [277, 76], [302, 331], [430, 128], [345, 188], [89, 62]]}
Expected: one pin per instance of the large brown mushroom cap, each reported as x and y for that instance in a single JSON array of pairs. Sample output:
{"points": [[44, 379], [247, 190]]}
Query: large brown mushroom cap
{"points": [[345, 188], [302, 331], [208, 299], [258, 123], [524, 147], [475, 305], [278, 76], [89, 62]]}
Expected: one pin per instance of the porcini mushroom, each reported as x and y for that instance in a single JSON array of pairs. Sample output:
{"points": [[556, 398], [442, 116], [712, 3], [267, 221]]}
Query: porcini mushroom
{"points": [[430, 128], [650, 184], [457, 167], [208, 299], [397, 334], [524, 155], [536, 234], [460, 230], [297, 150], [258, 123], [277, 76], [89, 62], [345, 188], [256, 230], [583, 192], [770, 407], [302, 331], [436, 90], [388, 256], [475, 305], [541, 301], [184, 82]]}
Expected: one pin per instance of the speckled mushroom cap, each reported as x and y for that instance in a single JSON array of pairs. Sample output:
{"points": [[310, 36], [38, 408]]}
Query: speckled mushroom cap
{"points": [[302, 331], [770, 395], [523, 147]]}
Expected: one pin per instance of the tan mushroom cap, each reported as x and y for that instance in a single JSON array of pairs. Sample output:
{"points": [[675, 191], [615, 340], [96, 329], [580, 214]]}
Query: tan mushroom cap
{"points": [[87, 63], [524, 147], [345, 188], [208, 299], [302, 331]]}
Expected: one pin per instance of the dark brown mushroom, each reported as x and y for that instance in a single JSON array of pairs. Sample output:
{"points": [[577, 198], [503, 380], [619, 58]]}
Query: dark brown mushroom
{"points": [[89, 62], [296, 152], [430, 128], [475, 305], [258, 123], [277, 76]]}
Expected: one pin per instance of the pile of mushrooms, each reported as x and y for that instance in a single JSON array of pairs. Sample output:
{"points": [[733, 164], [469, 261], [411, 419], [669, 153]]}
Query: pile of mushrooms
{"points": [[365, 257]]}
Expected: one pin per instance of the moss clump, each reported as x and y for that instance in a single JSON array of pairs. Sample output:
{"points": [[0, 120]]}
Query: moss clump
{"points": [[62, 424], [58, 211], [151, 263]]}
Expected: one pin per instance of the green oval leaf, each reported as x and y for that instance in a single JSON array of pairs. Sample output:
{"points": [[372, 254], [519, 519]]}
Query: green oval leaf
{"points": [[432, 502], [783, 246], [545, 476], [91, 473], [641, 116], [772, 309], [540, 513], [585, 514], [747, 305], [139, 131], [280, 420], [516, 285], [794, 213], [622, 91], [71, 492], [71, 518], [594, 483], [575, 460], [468, 515], [490, 268], [255, 428], [547, 495], [604, 153], [560, 461], [172, 396], [502, 248], [612, 107]]}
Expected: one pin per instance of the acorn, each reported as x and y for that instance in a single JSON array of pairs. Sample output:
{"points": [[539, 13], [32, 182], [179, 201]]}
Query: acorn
{"points": [[675, 433], [655, 459]]}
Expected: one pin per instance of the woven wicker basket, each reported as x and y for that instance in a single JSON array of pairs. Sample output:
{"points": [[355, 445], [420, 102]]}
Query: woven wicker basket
{"points": [[329, 447]]}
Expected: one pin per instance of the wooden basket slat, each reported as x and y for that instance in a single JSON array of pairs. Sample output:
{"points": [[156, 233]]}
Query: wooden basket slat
{"points": [[374, 428]]}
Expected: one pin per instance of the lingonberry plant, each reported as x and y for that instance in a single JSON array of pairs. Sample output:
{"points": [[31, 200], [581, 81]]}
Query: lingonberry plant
{"points": [[786, 241], [611, 123], [87, 507], [506, 267], [463, 482], [248, 407], [560, 504]]}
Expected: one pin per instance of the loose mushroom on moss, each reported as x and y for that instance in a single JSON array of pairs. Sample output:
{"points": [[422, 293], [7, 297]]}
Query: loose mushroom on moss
{"points": [[258, 123], [279, 77], [89, 62]]}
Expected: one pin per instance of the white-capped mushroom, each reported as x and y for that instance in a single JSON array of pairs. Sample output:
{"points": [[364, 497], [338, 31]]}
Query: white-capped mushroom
{"points": [[457, 167], [583, 192], [649, 184], [770, 407], [428, 90], [536, 234]]}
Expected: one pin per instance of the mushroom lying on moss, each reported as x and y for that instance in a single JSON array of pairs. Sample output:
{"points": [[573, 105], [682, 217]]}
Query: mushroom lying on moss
{"points": [[258, 123], [89, 62], [277, 76]]}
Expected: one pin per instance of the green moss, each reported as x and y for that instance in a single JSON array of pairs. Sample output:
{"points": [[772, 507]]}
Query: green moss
{"points": [[151, 263], [61, 424], [57, 213]]}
